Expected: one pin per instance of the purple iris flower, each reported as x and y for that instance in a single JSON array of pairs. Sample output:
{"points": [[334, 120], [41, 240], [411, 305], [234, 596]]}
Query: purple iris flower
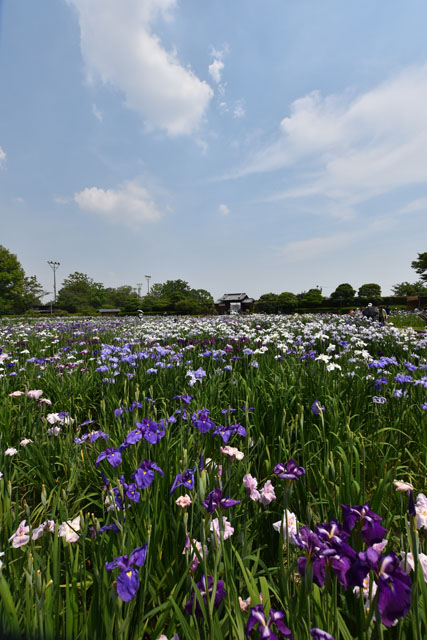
{"points": [[215, 500], [317, 408], [114, 457], [128, 581], [367, 520], [155, 431], [289, 470], [185, 398], [379, 400], [257, 617], [205, 586], [108, 527], [185, 479], [144, 475], [400, 377], [227, 432], [201, 420], [394, 585], [318, 634], [130, 490]]}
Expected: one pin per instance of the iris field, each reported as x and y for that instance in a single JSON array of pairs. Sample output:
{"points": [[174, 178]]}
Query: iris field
{"points": [[238, 477]]}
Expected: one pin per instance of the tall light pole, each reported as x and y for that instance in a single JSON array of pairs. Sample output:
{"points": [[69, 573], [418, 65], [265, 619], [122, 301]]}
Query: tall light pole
{"points": [[139, 286], [54, 266], [148, 284]]}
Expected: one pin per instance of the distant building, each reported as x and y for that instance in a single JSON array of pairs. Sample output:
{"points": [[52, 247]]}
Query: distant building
{"points": [[238, 302]]}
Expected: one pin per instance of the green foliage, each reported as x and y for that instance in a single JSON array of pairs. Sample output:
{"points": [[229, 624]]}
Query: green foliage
{"points": [[310, 298], [410, 289], [420, 266], [12, 281], [287, 301], [79, 293], [51, 588], [123, 298], [371, 291], [343, 292], [176, 296]]}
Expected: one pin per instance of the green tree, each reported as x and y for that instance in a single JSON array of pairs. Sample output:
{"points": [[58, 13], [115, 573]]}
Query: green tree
{"points": [[420, 266], [32, 293], [176, 296], [267, 303], [371, 290], [12, 282], [410, 289], [343, 292], [310, 298], [287, 301], [123, 298], [81, 294]]}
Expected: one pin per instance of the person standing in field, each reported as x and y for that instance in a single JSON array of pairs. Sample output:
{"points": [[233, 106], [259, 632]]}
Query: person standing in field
{"points": [[382, 315]]}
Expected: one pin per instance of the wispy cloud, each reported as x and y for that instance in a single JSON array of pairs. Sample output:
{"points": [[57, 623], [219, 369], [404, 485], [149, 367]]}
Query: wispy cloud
{"points": [[349, 148], [2, 157], [120, 49], [223, 209], [97, 113], [131, 204]]}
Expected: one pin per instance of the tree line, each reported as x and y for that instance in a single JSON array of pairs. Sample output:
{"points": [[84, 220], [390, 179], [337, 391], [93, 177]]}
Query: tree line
{"points": [[79, 293]]}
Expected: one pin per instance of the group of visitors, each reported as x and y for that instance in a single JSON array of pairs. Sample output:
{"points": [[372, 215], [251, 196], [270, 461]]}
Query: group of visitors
{"points": [[371, 311]]}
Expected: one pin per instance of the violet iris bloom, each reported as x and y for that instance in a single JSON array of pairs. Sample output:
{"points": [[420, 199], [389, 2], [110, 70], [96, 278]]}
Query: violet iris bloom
{"points": [[114, 456], [205, 586], [289, 470], [186, 480], [394, 585], [130, 490], [257, 617], [367, 521], [317, 408], [185, 398], [128, 581], [215, 500], [144, 475], [202, 421], [227, 432], [318, 634]]}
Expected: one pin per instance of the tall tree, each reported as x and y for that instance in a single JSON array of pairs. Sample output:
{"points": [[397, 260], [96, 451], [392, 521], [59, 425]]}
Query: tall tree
{"points": [[12, 281], [410, 289], [344, 292], [80, 293], [370, 290], [287, 301], [420, 266]]}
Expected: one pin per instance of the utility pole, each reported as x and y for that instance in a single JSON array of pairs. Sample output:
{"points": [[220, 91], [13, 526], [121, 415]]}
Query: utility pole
{"points": [[54, 266], [148, 284]]}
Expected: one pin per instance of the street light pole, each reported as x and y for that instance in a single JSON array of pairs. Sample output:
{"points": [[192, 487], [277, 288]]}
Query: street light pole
{"points": [[148, 284], [54, 266]]}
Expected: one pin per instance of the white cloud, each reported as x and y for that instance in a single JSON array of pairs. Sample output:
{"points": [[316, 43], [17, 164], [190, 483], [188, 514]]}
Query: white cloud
{"points": [[350, 149], [61, 200], [215, 70], [2, 157], [18, 200], [131, 204], [97, 113], [120, 49], [312, 248], [239, 109], [223, 209]]}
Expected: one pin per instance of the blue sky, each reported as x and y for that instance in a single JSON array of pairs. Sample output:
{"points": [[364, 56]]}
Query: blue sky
{"points": [[241, 146]]}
